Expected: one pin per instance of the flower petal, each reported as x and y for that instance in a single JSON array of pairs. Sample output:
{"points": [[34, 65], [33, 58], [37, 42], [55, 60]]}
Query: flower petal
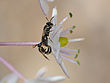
{"points": [[53, 79], [11, 78], [57, 31], [61, 51], [50, 0], [44, 6], [64, 69], [70, 50], [67, 31], [54, 14], [70, 60], [55, 51], [63, 20], [56, 48], [59, 26], [41, 72], [75, 40], [41, 79]]}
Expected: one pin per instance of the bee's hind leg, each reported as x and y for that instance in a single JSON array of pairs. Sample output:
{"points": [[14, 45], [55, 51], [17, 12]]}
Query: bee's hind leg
{"points": [[45, 56]]}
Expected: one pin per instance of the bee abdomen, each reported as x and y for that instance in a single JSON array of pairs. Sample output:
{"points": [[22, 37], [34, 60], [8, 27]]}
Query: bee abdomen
{"points": [[49, 50]]}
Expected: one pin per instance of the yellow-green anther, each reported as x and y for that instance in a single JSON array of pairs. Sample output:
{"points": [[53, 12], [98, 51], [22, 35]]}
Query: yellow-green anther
{"points": [[78, 62], [76, 56], [70, 15], [5, 81], [63, 41], [71, 31], [73, 27], [78, 51]]}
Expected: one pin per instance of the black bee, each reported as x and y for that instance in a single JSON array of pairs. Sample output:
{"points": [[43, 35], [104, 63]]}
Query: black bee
{"points": [[43, 46], [44, 49]]}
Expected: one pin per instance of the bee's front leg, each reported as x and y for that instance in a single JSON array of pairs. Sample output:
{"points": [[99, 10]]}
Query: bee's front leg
{"points": [[34, 45]]}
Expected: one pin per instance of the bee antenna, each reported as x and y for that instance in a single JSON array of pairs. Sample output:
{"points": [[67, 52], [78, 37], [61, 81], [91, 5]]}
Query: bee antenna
{"points": [[47, 18], [51, 18]]}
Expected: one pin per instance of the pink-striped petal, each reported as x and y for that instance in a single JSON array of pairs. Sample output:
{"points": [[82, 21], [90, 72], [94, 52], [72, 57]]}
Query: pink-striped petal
{"points": [[69, 50], [67, 31], [54, 14], [44, 6], [68, 59], [64, 69], [66, 53], [63, 20]]}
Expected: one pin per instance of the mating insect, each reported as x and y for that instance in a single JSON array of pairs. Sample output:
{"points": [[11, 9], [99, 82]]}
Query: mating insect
{"points": [[43, 46]]}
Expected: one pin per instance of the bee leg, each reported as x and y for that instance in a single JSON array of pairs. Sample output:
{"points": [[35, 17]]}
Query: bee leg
{"points": [[45, 56], [50, 40], [34, 45], [50, 30]]}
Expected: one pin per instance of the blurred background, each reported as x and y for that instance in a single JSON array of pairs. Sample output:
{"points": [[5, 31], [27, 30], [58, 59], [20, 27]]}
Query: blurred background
{"points": [[23, 20]]}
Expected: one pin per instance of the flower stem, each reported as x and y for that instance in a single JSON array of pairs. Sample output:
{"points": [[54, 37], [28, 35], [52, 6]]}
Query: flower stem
{"points": [[9, 66], [18, 43]]}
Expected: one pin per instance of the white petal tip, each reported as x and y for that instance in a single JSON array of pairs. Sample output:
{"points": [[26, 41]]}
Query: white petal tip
{"points": [[55, 79], [11, 78], [75, 40], [64, 69], [44, 6], [59, 78], [81, 39], [50, 0], [41, 72], [54, 12]]}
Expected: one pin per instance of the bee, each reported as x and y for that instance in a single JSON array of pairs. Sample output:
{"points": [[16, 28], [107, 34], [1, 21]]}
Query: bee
{"points": [[43, 46]]}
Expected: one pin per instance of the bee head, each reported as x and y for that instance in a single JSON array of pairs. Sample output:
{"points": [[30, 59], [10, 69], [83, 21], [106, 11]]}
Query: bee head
{"points": [[49, 24]]}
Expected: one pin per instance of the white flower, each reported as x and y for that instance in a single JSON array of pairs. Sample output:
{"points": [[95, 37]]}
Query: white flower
{"points": [[41, 79], [11, 78], [58, 42], [44, 6]]}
